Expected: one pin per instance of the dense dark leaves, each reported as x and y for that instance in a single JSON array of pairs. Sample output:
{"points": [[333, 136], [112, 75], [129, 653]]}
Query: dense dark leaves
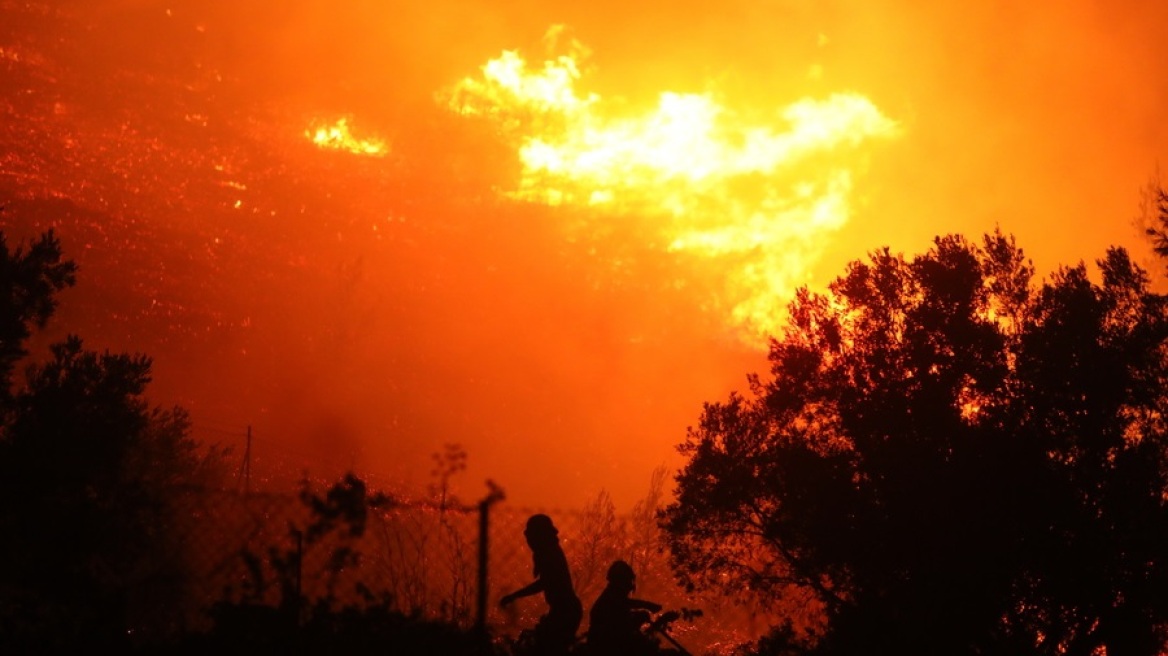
{"points": [[91, 480], [1158, 233], [29, 282], [953, 458]]}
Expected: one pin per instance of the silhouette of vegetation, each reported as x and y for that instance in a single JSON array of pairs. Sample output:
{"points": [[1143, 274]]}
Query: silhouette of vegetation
{"points": [[951, 457], [101, 502], [30, 279], [1157, 233], [336, 522], [279, 610], [90, 476]]}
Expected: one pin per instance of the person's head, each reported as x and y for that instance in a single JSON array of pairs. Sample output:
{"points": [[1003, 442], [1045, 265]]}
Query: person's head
{"points": [[540, 530], [621, 576]]}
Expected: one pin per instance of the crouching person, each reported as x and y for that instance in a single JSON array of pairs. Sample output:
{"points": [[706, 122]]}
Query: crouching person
{"points": [[616, 619]]}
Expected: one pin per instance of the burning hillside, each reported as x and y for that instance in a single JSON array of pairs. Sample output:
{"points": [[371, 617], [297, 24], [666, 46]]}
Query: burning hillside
{"points": [[337, 303], [754, 204], [365, 233]]}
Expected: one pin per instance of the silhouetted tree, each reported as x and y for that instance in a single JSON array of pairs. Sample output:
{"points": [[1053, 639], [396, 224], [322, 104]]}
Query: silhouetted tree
{"points": [[91, 480], [953, 458], [29, 282], [1157, 201]]}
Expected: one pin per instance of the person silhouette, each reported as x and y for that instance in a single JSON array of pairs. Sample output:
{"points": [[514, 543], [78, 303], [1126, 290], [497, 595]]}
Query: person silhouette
{"points": [[556, 630], [615, 621]]}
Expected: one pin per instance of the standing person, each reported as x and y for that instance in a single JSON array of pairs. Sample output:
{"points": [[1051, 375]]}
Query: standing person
{"points": [[556, 630], [615, 621]]}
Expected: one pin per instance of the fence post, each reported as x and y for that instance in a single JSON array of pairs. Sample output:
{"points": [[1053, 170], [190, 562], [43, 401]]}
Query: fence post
{"points": [[484, 543], [495, 495], [297, 605], [247, 464], [243, 477]]}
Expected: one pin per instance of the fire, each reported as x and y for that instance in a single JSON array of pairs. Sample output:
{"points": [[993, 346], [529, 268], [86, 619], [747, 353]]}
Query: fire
{"points": [[338, 137], [758, 198]]}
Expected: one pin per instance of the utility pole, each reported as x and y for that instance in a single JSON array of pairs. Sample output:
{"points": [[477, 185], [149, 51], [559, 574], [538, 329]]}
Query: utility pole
{"points": [[245, 466]]}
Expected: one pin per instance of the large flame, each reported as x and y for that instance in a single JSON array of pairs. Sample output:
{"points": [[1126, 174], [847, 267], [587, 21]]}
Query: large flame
{"points": [[338, 136], [759, 199]]}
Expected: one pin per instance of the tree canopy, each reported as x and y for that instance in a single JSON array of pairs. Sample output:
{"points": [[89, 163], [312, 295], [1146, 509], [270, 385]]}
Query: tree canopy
{"points": [[947, 457], [29, 282], [90, 475]]}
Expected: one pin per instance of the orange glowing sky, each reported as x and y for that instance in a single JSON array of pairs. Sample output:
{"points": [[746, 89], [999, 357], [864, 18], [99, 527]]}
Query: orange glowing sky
{"points": [[366, 308]]}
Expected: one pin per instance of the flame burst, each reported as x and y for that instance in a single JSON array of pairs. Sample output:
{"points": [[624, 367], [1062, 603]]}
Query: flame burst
{"points": [[338, 137], [760, 200]]}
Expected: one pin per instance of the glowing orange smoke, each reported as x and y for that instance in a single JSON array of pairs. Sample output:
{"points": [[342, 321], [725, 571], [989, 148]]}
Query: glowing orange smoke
{"points": [[759, 200], [338, 137]]}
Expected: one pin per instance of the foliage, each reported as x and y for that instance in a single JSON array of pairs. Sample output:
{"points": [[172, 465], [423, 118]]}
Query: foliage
{"points": [[335, 522], [281, 608], [1157, 233], [29, 280], [348, 631], [89, 479], [950, 458]]}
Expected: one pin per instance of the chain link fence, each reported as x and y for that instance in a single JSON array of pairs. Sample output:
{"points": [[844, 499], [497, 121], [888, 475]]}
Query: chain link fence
{"points": [[319, 542]]}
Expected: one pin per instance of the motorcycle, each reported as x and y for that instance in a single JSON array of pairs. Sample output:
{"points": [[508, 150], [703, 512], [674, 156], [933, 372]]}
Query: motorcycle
{"points": [[659, 628], [655, 639]]}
